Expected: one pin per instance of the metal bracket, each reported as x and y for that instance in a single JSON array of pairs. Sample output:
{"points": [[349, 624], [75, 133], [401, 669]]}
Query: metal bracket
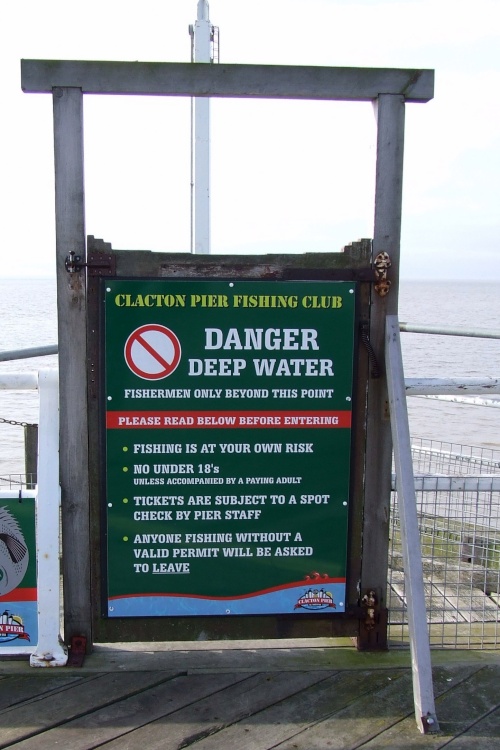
{"points": [[369, 604], [372, 634], [98, 263], [429, 724], [77, 649], [382, 263]]}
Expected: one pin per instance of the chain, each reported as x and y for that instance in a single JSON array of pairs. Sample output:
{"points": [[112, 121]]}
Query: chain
{"points": [[9, 481], [16, 424]]}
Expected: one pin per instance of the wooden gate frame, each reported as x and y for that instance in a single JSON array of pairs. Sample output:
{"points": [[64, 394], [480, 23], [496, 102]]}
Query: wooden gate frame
{"points": [[353, 265], [68, 81]]}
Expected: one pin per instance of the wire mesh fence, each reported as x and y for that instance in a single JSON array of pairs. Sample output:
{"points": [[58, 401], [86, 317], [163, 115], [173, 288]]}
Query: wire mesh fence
{"points": [[17, 481], [458, 504]]}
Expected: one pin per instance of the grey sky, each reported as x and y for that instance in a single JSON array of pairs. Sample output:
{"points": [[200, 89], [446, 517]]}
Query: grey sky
{"points": [[287, 176]]}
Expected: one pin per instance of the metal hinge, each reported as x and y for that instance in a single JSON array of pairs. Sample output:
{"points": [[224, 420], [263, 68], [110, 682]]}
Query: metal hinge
{"points": [[98, 263], [372, 635], [369, 604], [382, 263]]}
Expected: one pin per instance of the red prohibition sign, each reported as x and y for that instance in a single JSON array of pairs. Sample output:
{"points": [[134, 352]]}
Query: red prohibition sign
{"points": [[152, 352]]}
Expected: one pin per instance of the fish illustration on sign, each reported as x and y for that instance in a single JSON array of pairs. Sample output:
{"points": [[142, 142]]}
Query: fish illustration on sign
{"points": [[14, 554]]}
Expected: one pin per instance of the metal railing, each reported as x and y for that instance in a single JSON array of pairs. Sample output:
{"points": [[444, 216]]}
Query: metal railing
{"points": [[49, 650]]}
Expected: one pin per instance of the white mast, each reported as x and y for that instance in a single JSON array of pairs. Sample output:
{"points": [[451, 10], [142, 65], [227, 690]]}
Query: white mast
{"points": [[204, 48]]}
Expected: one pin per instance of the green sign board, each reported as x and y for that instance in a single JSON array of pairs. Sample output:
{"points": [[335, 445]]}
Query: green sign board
{"points": [[227, 412]]}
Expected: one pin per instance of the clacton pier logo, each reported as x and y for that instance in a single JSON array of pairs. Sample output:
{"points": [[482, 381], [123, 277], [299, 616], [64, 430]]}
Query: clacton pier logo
{"points": [[12, 628], [14, 555], [316, 597]]}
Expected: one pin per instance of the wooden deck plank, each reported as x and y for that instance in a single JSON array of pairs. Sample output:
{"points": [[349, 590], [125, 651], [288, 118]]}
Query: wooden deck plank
{"points": [[439, 609], [455, 601], [184, 729], [457, 710], [20, 688], [227, 660], [472, 603], [287, 719], [210, 716], [371, 716], [50, 710], [104, 724], [346, 707], [248, 659], [484, 735], [472, 638]]}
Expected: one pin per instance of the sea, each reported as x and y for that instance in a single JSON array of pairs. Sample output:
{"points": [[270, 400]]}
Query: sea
{"points": [[28, 319]]}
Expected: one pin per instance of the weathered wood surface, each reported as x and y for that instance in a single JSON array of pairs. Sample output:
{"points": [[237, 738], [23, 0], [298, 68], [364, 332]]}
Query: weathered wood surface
{"points": [[198, 79], [71, 313], [390, 111], [210, 698]]}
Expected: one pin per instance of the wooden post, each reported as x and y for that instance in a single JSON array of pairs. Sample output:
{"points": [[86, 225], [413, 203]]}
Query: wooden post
{"points": [[30, 454], [70, 236], [386, 238]]}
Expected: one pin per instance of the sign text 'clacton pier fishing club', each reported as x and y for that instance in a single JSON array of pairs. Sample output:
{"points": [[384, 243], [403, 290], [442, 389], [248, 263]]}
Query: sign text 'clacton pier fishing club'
{"points": [[227, 412]]}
